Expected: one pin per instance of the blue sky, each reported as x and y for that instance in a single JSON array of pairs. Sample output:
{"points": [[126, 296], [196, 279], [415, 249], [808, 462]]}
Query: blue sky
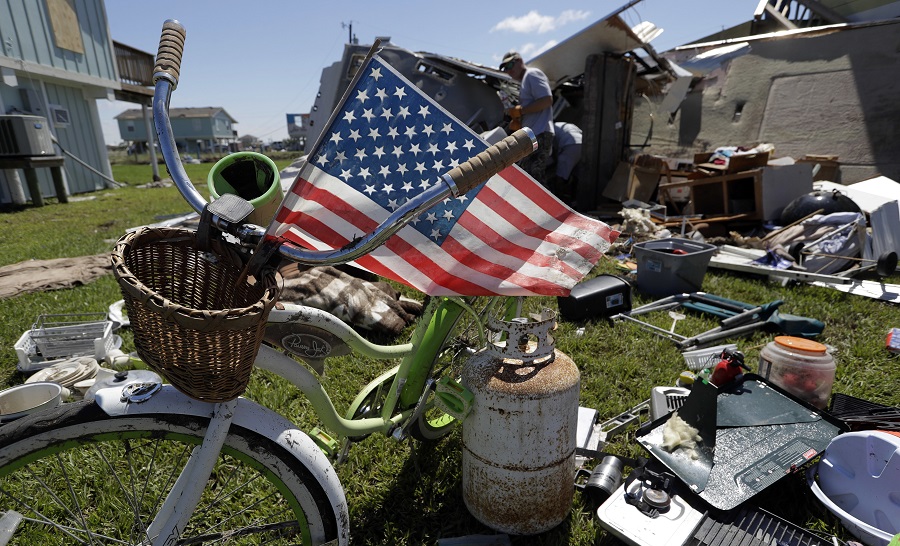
{"points": [[261, 60]]}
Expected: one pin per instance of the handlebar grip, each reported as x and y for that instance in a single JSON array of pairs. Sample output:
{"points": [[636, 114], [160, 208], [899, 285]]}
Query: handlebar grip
{"points": [[491, 161], [171, 48]]}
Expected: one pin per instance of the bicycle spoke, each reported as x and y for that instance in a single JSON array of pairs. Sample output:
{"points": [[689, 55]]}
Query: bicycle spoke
{"points": [[59, 502], [45, 520]]}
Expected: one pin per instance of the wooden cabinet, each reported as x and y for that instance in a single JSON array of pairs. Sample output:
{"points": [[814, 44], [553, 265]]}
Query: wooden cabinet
{"points": [[758, 194]]}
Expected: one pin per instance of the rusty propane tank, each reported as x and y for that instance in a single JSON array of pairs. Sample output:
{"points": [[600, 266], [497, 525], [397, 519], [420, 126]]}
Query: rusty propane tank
{"points": [[519, 439]]}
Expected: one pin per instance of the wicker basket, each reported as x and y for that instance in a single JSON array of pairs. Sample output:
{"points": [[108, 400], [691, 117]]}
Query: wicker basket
{"points": [[192, 321]]}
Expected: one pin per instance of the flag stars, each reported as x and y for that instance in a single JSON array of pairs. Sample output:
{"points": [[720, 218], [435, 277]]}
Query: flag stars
{"points": [[420, 168], [424, 111], [433, 149], [402, 169], [374, 134], [364, 173], [447, 128], [428, 130], [435, 234], [367, 113], [349, 117], [407, 187], [393, 133], [335, 137], [410, 132], [414, 149], [385, 171], [398, 151], [387, 188], [322, 159], [386, 113], [469, 145], [362, 95], [448, 214], [340, 157], [404, 112], [354, 134], [399, 92], [431, 217], [379, 151], [392, 204], [345, 174], [425, 184], [451, 146], [381, 94], [376, 73], [369, 189], [361, 154]]}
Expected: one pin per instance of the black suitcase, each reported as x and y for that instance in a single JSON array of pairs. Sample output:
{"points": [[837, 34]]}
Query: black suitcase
{"points": [[602, 296]]}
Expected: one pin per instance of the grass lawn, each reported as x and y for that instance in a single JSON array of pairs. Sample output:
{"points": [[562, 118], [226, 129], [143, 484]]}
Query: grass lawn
{"points": [[407, 493]]}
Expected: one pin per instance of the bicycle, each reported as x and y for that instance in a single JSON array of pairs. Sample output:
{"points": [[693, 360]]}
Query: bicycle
{"points": [[125, 467]]}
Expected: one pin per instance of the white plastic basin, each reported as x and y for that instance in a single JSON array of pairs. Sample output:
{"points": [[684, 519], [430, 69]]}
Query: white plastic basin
{"points": [[22, 400], [859, 481]]}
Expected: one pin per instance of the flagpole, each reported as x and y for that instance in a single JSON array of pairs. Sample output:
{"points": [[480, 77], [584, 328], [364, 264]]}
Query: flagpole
{"points": [[334, 113]]}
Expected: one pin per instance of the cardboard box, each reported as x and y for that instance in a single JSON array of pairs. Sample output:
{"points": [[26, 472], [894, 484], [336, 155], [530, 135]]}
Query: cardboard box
{"points": [[736, 164]]}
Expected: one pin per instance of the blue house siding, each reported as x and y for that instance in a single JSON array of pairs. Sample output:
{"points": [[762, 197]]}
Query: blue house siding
{"points": [[79, 137], [70, 78], [26, 25]]}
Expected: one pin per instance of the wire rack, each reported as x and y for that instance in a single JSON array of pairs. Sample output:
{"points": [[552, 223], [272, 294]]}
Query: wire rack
{"points": [[71, 334]]}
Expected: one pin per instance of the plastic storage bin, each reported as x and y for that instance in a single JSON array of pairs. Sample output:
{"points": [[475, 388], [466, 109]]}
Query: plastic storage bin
{"points": [[800, 366], [671, 266]]}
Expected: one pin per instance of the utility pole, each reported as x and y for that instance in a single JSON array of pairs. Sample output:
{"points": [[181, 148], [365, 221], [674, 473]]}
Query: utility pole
{"points": [[348, 26]]}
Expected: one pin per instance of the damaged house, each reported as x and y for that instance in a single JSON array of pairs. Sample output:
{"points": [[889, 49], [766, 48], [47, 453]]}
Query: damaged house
{"points": [[813, 79]]}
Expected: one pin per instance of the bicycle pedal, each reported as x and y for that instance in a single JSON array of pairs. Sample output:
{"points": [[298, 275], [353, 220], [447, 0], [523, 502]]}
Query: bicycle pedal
{"points": [[328, 444], [452, 398]]}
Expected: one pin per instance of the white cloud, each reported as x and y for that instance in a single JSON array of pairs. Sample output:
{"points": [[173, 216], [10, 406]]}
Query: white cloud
{"points": [[529, 50], [535, 23]]}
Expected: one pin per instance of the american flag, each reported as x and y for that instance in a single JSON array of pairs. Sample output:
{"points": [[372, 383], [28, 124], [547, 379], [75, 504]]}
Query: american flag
{"points": [[389, 141]]}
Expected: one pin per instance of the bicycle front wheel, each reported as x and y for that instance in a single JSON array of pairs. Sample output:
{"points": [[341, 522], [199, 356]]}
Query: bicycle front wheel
{"points": [[79, 476]]}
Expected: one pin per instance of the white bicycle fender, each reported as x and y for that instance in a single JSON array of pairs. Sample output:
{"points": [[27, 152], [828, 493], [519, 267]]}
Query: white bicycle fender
{"points": [[249, 415]]}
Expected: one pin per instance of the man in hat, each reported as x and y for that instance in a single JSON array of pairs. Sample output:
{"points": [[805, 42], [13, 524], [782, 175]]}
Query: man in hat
{"points": [[535, 110]]}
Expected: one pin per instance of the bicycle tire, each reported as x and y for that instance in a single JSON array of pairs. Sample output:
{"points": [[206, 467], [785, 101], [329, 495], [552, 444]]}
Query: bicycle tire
{"points": [[449, 349], [77, 474]]}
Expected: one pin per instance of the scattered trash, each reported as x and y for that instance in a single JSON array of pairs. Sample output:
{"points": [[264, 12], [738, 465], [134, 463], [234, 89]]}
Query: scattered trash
{"points": [[756, 433], [55, 338], [8, 524], [22, 400], [671, 266], [602, 481], [803, 367], [737, 318], [893, 341], [857, 481], [601, 296]]}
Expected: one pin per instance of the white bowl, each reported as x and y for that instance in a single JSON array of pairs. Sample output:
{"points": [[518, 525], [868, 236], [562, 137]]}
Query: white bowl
{"points": [[19, 401]]}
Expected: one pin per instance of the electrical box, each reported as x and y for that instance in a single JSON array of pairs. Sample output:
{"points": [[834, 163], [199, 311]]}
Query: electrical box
{"points": [[25, 136]]}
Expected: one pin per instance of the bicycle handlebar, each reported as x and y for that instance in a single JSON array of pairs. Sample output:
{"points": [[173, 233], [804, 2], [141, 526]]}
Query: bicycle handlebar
{"points": [[456, 182], [171, 49]]}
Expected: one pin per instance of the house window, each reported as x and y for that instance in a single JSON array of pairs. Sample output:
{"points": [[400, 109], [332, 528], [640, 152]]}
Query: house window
{"points": [[197, 125], [129, 127]]}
